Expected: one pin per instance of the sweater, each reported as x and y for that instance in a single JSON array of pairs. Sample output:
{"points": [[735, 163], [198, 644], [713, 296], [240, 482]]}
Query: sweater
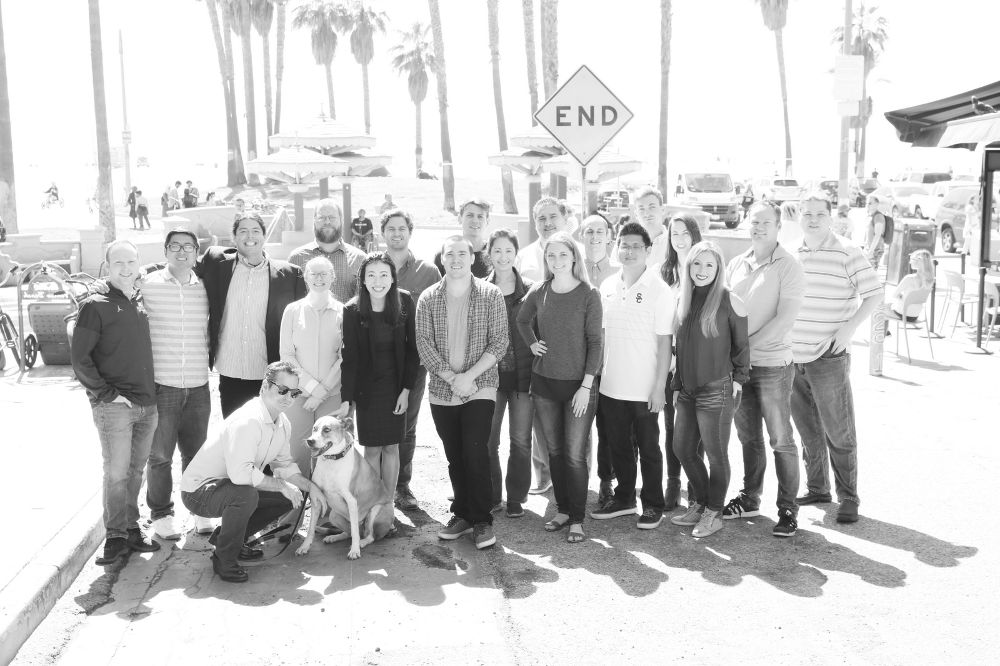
{"points": [[515, 366], [701, 360], [570, 324]]}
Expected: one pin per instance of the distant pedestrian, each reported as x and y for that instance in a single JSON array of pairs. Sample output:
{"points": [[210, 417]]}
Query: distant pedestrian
{"points": [[165, 202], [874, 239], [175, 197], [131, 206], [361, 232], [387, 204], [142, 210]]}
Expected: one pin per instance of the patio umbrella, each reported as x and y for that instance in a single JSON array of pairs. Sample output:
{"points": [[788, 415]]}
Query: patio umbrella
{"points": [[606, 166], [524, 161], [296, 166]]}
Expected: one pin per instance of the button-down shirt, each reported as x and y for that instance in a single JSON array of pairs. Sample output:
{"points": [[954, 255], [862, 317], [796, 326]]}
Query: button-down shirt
{"points": [[248, 440], [178, 327], [416, 275], [311, 339], [599, 271], [242, 341], [346, 260]]}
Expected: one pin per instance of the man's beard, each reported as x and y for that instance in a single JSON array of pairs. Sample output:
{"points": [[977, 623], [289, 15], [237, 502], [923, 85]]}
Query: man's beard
{"points": [[328, 234]]}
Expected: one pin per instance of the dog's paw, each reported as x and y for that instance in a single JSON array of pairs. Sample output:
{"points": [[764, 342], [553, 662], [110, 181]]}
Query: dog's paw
{"points": [[367, 540], [354, 554], [302, 550]]}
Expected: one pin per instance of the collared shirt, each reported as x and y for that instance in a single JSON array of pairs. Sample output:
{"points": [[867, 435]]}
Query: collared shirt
{"points": [[247, 441], [178, 327], [657, 253], [599, 271], [530, 262], [416, 275], [242, 342], [837, 279], [346, 260], [762, 287], [312, 338], [633, 319]]}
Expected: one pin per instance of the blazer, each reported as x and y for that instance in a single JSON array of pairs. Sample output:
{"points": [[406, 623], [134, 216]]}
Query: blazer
{"points": [[356, 369], [285, 285]]}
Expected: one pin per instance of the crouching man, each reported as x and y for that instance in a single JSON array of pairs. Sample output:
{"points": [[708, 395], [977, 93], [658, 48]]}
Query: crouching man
{"points": [[226, 478]]}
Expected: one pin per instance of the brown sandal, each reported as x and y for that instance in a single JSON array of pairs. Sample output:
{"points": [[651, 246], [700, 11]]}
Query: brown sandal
{"points": [[575, 534]]}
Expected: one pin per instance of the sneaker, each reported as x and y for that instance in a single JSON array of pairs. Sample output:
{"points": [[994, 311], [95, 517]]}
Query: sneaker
{"points": [[650, 519], [541, 488], [483, 535], [710, 523], [114, 548], [164, 528], [814, 498], [672, 496], [514, 509], [141, 543], [605, 495], [738, 508], [497, 508], [613, 509], [405, 499], [848, 512], [203, 525], [689, 517], [455, 528], [786, 524]]}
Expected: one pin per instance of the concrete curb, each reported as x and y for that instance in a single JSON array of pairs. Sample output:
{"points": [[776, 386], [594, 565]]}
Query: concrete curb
{"points": [[27, 600]]}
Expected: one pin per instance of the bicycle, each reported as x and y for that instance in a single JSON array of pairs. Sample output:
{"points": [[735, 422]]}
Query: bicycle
{"points": [[8, 332]]}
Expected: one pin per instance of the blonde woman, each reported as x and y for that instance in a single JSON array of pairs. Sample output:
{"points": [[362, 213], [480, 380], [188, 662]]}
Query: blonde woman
{"points": [[713, 362], [922, 262]]}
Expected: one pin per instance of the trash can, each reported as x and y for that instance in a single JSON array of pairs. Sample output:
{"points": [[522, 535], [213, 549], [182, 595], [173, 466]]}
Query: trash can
{"points": [[907, 238]]}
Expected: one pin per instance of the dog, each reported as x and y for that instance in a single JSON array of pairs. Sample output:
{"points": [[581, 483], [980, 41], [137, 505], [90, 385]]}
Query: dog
{"points": [[352, 487]]}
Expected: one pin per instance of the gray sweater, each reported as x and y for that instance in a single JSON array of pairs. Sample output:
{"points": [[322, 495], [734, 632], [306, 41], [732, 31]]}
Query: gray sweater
{"points": [[570, 324]]}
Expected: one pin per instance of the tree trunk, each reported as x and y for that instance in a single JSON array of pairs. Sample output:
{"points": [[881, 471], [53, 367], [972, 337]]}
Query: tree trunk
{"points": [[268, 109], [248, 92], [364, 87], [509, 202], [420, 138], [447, 169], [104, 198], [329, 90], [237, 176], [549, 16], [666, 27], [279, 64], [779, 45], [528, 12], [862, 133], [8, 203]]}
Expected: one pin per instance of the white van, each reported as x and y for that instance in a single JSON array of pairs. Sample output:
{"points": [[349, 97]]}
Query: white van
{"points": [[713, 192]]}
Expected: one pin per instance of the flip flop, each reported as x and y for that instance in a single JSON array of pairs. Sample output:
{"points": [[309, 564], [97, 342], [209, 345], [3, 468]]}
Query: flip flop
{"points": [[556, 525], [575, 535]]}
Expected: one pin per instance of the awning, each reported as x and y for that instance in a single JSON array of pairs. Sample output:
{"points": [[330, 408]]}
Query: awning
{"points": [[950, 122]]}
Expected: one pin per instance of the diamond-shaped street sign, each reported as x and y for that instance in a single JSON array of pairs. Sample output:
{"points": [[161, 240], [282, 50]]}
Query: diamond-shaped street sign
{"points": [[583, 115]]}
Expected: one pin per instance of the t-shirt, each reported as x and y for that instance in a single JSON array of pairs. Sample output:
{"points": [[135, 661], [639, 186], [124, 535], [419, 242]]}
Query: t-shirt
{"points": [[361, 226]]}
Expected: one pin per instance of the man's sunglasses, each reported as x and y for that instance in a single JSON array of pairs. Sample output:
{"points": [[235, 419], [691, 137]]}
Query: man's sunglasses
{"points": [[284, 390]]}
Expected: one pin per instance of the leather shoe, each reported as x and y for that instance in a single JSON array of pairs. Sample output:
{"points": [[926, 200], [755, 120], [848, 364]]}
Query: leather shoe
{"points": [[813, 498], [234, 574], [114, 548], [248, 554], [848, 512], [141, 543]]}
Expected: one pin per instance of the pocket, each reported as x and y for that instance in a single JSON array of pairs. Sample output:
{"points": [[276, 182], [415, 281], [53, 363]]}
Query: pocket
{"points": [[830, 354]]}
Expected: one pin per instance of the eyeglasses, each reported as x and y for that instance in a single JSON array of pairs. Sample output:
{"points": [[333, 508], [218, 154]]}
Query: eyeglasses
{"points": [[321, 275], [177, 247], [631, 248], [284, 390]]}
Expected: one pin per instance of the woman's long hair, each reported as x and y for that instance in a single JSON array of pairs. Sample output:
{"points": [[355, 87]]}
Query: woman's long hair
{"points": [[669, 271], [709, 328], [925, 268], [579, 270], [393, 312]]}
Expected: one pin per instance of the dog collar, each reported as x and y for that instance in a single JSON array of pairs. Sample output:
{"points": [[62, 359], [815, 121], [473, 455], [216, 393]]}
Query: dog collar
{"points": [[338, 456]]}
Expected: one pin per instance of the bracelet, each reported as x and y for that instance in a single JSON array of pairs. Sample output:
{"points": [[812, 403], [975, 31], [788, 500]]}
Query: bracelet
{"points": [[586, 387]]}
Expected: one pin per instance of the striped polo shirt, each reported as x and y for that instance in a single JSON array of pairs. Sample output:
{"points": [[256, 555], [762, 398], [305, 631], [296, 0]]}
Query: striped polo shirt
{"points": [[178, 328], [242, 341], [837, 279]]}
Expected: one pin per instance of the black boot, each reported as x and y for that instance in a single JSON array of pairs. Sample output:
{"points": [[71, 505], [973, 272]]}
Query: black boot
{"points": [[672, 496]]}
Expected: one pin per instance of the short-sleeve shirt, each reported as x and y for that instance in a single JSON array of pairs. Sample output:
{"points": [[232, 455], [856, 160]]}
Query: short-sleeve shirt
{"points": [[837, 279], [346, 260], [633, 318]]}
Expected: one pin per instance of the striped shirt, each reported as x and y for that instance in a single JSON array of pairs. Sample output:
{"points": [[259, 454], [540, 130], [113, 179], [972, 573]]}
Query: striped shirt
{"points": [[242, 342], [178, 328], [346, 260], [837, 278]]}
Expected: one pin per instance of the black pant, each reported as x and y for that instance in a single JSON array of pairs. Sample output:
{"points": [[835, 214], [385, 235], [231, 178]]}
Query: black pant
{"points": [[621, 419], [234, 393], [465, 433]]}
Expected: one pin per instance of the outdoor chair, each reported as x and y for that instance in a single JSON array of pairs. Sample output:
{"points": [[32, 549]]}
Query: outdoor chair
{"points": [[991, 311], [955, 296], [915, 297]]}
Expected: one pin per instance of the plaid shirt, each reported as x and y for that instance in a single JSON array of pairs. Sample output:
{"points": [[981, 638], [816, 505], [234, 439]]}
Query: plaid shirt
{"points": [[487, 334]]}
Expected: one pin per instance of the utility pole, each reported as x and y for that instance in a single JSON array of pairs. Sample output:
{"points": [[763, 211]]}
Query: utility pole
{"points": [[126, 134], [843, 193]]}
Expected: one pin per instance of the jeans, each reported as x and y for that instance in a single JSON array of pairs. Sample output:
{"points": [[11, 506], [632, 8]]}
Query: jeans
{"points": [[766, 400], [301, 421], [823, 411], [518, 404], [234, 393], [625, 419], [540, 460], [126, 435], [182, 423], [707, 413], [673, 462], [244, 511], [465, 433], [409, 444], [566, 437]]}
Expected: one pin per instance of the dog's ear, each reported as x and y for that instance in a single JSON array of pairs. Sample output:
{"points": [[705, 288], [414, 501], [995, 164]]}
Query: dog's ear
{"points": [[348, 422], [343, 410]]}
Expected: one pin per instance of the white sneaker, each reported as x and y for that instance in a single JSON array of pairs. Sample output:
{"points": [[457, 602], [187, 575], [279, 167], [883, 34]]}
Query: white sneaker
{"points": [[203, 525], [710, 523], [164, 528]]}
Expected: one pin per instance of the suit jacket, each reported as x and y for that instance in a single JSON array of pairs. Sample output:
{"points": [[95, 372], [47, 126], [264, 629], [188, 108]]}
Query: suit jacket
{"points": [[285, 285], [356, 370]]}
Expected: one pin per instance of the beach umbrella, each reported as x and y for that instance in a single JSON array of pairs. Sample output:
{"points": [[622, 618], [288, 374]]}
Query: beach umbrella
{"points": [[606, 166], [297, 166]]}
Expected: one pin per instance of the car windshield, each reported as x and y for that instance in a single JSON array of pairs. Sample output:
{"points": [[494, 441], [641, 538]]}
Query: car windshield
{"points": [[708, 182], [869, 184], [829, 185], [786, 182], [958, 197]]}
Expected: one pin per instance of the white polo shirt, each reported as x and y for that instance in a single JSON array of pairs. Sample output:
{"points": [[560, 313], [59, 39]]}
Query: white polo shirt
{"points": [[633, 317]]}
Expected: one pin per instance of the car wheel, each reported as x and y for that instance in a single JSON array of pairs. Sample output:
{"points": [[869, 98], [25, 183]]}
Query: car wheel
{"points": [[918, 213], [947, 239], [732, 224]]}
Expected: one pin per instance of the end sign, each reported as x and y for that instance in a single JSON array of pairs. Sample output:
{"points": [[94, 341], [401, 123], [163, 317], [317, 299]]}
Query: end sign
{"points": [[583, 115]]}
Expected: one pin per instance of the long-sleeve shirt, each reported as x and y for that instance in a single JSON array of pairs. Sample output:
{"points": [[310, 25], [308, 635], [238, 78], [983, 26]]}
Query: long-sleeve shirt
{"points": [[311, 339], [702, 359], [248, 440], [570, 324]]}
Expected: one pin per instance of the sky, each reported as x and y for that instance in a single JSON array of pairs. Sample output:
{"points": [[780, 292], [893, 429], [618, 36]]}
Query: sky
{"points": [[724, 104]]}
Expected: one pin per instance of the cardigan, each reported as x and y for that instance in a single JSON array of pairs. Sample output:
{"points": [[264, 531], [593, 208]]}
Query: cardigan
{"points": [[356, 370], [523, 357]]}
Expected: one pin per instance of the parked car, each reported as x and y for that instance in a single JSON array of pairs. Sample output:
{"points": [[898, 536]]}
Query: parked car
{"points": [[831, 188], [778, 190], [897, 199], [925, 207], [928, 177], [950, 217], [859, 188]]}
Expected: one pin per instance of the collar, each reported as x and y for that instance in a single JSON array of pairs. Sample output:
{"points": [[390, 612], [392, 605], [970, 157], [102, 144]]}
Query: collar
{"points": [[265, 415], [330, 304], [751, 259], [169, 277], [601, 265], [262, 266], [829, 241], [644, 279], [336, 456]]}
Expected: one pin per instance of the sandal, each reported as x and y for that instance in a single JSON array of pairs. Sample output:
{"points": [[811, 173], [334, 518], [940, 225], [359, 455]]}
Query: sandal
{"points": [[575, 534], [555, 525]]}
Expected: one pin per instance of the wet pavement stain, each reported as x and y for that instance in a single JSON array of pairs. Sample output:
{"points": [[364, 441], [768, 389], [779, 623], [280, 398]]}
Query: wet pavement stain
{"points": [[439, 557]]}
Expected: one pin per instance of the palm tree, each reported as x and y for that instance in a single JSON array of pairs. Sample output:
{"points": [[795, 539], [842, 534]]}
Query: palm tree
{"points": [[528, 15], [262, 14], [666, 27], [279, 62], [550, 46], [869, 33], [363, 23], [234, 170], [509, 203], [8, 205], [775, 13], [447, 169], [414, 56], [322, 17], [104, 201], [240, 25]]}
